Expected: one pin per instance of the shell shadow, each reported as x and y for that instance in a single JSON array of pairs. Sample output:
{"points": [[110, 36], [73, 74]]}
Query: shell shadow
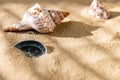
{"points": [[73, 29]]}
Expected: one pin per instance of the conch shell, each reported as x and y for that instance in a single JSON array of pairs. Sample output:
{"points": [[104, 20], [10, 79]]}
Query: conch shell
{"points": [[41, 20], [98, 11]]}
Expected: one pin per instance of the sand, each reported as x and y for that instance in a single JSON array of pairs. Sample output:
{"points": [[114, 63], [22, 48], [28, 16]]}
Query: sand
{"points": [[80, 48]]}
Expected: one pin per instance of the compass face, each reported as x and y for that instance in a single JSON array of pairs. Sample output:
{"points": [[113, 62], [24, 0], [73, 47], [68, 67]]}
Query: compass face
{"points": [[31, 48]]}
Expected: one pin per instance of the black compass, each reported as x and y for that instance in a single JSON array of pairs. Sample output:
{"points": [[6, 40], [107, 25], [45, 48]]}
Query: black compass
{"points": [[31, 48]]}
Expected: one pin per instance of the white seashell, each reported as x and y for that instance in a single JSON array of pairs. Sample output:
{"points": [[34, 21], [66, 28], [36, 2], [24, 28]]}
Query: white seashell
{"points": [[41, 20], [98, 11]]}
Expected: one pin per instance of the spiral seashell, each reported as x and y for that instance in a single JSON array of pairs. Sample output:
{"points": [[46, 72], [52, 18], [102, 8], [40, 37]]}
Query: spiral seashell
{"points": [[98, 11], [41, 20]]}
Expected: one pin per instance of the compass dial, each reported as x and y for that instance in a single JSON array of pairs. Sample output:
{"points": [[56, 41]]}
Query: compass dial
{"points": [[31, 48]]}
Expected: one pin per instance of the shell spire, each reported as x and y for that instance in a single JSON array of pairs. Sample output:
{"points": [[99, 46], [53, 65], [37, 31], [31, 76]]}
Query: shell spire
{"points": [[57, 16], [41, 20], [98, 11]]}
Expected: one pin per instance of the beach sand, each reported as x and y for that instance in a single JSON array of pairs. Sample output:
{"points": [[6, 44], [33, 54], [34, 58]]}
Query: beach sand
{"points": [[80, 48]]}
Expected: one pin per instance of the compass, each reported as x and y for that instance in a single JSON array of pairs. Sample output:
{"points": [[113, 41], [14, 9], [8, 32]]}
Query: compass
{"points": [[31, 48]]}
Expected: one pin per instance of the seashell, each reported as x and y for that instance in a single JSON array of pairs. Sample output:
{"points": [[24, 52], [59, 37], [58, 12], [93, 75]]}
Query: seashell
{"points": [[41, 20], [98, 11]]}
